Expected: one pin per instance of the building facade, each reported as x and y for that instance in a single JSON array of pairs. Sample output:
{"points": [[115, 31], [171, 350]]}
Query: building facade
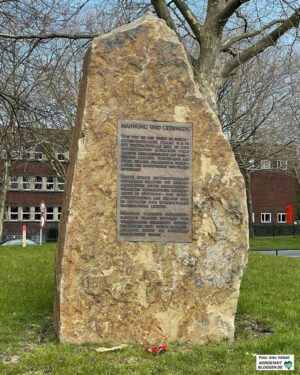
{"points": [[30, 182], [271, 192], [273, 183]]}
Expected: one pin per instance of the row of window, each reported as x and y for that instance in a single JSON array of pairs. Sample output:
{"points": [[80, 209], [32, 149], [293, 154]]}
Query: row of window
{"points": [[32, 155], [32, 213], [35, 183], [273, 164], [266, 218], [29, 213]]}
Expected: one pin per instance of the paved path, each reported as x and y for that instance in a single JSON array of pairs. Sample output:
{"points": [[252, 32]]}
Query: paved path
{"points": [[282, 253]]}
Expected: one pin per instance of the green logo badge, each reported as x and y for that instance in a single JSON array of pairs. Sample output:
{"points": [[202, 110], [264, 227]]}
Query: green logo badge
{"points": [[288, 364]]}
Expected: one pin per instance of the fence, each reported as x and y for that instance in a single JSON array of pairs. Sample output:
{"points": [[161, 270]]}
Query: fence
{"points": [[47, 236], [275, 230]]}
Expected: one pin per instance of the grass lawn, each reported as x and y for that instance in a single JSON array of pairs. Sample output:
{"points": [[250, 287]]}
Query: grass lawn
{"points": [[268, 323], [277, 243]]}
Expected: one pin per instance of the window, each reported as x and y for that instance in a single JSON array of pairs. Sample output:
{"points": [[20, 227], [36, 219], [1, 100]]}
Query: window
{"points": [[14, 182], [14, 155], [281, 218], [253, 217], [37, 214], [14, 214], [26, 213], [27, 155], [60, 185], [38, 183], [281, 164], [265, 164], [266, 217], [50, 214], [38, 156], [61, 156], [58, 213], [50, 183], [26, 182]]}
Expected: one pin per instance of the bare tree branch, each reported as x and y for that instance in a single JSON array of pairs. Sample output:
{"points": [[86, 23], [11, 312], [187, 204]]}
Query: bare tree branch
{"points": [[269, 40], [240, 15], [48, 36], [190, 18], [249, 34], [222, 17]]}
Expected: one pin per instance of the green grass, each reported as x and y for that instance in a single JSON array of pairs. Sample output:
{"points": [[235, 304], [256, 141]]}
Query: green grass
{"points": [[269, 301], [277, 243]]}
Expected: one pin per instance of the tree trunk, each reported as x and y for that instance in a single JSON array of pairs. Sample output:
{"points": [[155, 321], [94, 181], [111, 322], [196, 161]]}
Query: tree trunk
{"points": [[5, 180], [208, 68], [249, 200]]}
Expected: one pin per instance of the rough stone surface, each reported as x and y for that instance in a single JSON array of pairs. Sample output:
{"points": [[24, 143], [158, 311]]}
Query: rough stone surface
{"points": [[157, 292]]}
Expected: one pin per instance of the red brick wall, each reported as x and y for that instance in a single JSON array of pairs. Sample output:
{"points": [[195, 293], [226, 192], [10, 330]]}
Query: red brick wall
{"points": [[33, 198], [272, 191], [31, 168]]}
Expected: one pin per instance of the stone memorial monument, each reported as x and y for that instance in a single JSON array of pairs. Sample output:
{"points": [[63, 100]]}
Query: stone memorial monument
{"points": [[153, 235]]}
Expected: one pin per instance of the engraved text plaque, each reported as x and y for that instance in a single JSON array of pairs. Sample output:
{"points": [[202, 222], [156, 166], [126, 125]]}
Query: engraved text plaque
{"points": [[154, 201]]}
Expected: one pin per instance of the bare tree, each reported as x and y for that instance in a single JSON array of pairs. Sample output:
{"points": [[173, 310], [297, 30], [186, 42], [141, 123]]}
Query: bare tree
{"points": [[259, 109], [260, 103], [11, 113], [227, 33], [220, 54], [38, 93]]}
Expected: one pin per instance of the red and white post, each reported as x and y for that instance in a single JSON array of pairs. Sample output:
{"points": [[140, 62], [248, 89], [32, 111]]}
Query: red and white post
{"points": [[23, 235], [42, 220]]}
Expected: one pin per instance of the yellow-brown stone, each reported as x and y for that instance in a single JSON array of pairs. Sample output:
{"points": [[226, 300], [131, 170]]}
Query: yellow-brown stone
{"points": [[156, 292]]}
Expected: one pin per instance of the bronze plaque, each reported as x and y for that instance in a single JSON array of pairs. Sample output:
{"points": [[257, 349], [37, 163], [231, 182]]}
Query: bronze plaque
{"points": [[154, 201]]}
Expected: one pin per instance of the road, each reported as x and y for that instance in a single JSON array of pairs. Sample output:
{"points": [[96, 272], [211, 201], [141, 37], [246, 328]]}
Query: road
{"points": [[282, 253]]}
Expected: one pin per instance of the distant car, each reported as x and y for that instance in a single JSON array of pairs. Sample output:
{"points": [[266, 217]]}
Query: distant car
{"points": [[17, 241]]}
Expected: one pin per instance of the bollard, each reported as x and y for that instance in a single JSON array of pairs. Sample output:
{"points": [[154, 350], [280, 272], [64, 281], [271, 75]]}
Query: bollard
{"points": [[24, 236]]}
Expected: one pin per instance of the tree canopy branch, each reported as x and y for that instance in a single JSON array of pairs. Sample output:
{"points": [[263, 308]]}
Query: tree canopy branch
{"points": [[249, 34], [269, 40], [222, 17], [48, 36], [189, 17]]}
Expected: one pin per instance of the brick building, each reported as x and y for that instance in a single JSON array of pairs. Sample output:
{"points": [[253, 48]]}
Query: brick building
{"points": [[30, 182], [273, 183], [271, 191]]}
